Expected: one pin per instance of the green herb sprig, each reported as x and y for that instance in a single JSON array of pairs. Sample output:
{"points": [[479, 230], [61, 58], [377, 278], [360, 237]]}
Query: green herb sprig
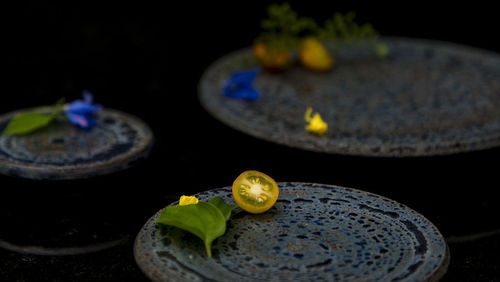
{"points": [[284, 29], [343, 29]]}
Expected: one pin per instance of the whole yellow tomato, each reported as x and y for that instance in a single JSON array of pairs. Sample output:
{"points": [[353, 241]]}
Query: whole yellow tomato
{"points": [[314, 56]]}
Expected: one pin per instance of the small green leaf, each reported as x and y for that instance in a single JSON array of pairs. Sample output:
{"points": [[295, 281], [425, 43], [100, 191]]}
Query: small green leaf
{"points": [[225, 209], [204, 220], [27, 122]]}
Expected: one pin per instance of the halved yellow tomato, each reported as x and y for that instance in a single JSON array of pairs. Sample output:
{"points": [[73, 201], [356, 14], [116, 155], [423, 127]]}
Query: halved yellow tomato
{"points": [[254, 191]]}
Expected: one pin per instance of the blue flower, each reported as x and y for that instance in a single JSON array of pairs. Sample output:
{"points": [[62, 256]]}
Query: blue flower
{"points": [[239, 85], [80, 112]]}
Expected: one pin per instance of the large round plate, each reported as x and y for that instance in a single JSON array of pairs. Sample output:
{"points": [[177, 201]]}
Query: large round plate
{"points": [[314, 232], [63, 151], [425, 98]]}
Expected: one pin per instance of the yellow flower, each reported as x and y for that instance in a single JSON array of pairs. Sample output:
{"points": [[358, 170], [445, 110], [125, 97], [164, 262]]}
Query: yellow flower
{"points": [[316, 124], [187, 200]]}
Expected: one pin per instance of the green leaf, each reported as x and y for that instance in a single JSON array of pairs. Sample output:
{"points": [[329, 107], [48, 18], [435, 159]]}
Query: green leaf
{"points": [[204, 220], [225, 209], [27, 122]]}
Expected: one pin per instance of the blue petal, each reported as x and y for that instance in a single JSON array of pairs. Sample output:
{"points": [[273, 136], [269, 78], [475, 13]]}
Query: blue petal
{"points": [[82, 121], [242, 93], [239, 85], [80, 112], [81, 107], [78, 120], [243, 78], [90, 121], [87, 96]]}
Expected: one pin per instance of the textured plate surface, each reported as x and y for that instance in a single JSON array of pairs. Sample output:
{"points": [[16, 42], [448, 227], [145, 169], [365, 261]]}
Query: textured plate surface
{"points": [[425, 98], [313, 232], [63, 151]]}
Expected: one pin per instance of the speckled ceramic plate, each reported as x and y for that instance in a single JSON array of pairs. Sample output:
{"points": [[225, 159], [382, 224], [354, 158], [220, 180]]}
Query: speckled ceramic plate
{"points": [[314, 232], [63, 151], [425, 98]]}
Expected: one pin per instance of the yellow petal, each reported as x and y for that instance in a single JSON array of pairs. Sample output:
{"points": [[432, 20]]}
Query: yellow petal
{"points": [[316, 124], [187, 200], [307, 115]]}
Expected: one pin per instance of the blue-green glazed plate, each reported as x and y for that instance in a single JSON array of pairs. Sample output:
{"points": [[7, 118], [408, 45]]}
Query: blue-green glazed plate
{"points": [[314, 232], [425, 98], [64, 151]]}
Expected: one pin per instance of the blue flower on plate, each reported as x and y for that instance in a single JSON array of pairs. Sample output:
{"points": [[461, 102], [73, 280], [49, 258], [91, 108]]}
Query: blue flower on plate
{"points": [[80, 112], [240, 85]]}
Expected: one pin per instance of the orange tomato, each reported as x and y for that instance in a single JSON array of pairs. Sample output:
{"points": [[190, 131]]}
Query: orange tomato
{"points": [[272, 59]]}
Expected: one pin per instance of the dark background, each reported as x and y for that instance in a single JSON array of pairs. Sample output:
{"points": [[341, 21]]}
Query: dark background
{"points": [[146, 60]]}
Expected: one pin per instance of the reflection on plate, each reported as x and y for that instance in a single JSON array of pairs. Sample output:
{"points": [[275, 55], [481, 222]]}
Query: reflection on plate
{"points": [[425, 98], [313, 232], [63, 151]]}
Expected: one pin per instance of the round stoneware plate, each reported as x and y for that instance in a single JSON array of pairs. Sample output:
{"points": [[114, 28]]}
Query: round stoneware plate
{"points": [[63, 151], [424, 98], [314, 232]]}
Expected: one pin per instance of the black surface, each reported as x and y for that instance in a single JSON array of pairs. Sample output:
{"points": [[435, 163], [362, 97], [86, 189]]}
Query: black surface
{"points": [[146, 60]]}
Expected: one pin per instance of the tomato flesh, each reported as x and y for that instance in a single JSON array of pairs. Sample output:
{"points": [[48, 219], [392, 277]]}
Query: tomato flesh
{"points": [[255, 191]]}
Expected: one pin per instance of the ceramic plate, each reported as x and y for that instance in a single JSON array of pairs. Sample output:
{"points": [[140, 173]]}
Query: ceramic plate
{"points": [[64, 151], [425, 98], [314, 232]]}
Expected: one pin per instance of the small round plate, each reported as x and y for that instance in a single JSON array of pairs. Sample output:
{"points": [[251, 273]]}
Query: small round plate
{"points": [[63, 151], [425, 98], [314, 232]]}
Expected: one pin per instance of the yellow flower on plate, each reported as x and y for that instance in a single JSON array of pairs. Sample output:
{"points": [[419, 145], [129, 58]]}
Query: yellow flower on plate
{"points": [[187, 200], [316, 124]]}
